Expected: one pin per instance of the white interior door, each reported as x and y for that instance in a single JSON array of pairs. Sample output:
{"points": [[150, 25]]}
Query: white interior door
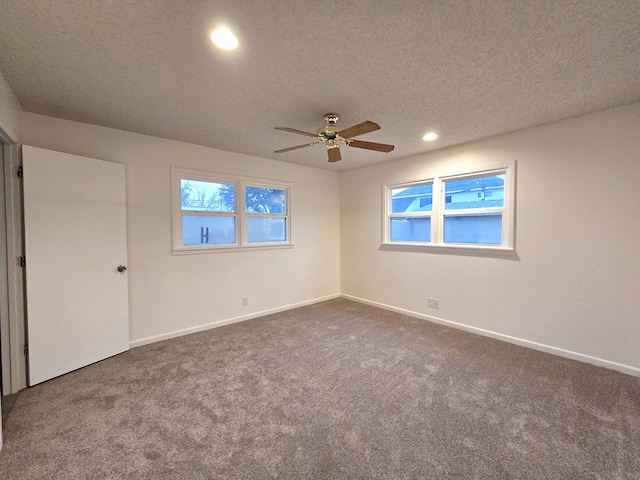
{"points": [[75, 240]]}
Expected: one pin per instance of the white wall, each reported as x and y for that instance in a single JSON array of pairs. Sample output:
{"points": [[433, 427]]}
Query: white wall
{"points": [[574, 288], [169, 294]]}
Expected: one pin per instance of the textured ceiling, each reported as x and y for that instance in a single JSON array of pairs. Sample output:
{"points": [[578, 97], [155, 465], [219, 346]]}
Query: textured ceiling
{"points": [[466, 69]]}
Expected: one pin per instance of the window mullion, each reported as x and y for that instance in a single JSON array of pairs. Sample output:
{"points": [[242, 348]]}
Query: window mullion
{"points": [[242, 213], [474, 211], [437, 234], [207, 213], [410, 214]]}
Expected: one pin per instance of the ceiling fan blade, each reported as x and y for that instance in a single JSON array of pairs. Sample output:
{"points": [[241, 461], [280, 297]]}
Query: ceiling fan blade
{"points": [[359, 129], [293, 148], [334, 154], [293, 130], [378, 147]]}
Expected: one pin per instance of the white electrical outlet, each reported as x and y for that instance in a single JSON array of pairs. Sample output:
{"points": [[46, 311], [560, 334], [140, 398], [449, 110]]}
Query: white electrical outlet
{"points": [[245, 301], [433, 302]]}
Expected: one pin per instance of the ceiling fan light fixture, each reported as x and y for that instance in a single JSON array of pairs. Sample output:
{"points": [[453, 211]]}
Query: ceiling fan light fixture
{"points": [[224, 38], [430, 137]]}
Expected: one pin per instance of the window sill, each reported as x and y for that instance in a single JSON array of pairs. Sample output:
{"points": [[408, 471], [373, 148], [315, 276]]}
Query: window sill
{"points": [[466, 250], [229, 249]]}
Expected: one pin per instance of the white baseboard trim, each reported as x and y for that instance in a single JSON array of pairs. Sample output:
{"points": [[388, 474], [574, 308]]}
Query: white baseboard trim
{"points": [[227, 321], [619, 367]]}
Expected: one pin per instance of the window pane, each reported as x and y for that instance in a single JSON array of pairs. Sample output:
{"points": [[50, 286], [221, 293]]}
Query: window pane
{"points": [[266, 229], [477, 192], [418, 198], [413, 229], [206, 196], [479, 229], [265, 200], [208, 230]]}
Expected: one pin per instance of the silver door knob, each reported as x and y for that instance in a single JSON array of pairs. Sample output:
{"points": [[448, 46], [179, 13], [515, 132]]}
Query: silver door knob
{"points": [[121, 268]]}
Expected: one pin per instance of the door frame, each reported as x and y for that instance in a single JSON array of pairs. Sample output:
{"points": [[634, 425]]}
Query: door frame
{"points": [[12, 324]]}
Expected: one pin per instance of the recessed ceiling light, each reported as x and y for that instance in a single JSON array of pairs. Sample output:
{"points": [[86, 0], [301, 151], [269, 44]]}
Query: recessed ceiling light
{"points": [[430, 137], [224, 38]]}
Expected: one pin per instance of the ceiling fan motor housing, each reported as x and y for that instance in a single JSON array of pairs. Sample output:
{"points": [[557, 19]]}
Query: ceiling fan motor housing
{"points": [[330, 130]]}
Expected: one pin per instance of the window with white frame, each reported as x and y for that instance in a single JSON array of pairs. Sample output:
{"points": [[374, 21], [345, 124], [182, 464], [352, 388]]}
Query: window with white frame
{"points": [[213, 212], [466, 210], [410, 208]]}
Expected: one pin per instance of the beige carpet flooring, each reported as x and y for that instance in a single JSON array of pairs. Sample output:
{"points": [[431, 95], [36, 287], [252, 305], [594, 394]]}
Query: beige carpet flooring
{"points": [[336, 390]]}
